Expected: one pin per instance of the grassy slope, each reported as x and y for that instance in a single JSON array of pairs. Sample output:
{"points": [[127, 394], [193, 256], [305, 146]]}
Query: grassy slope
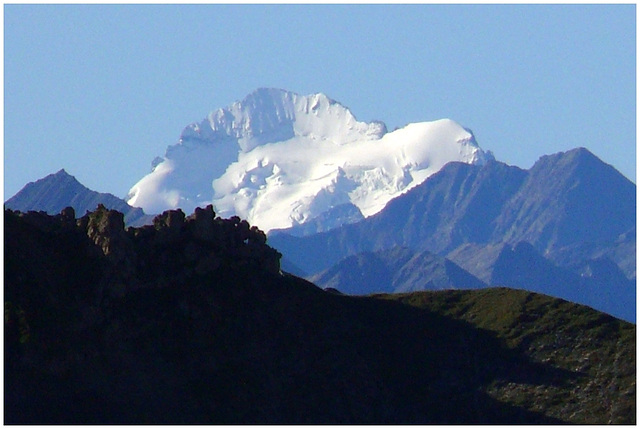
{"points": [[597, 348]]}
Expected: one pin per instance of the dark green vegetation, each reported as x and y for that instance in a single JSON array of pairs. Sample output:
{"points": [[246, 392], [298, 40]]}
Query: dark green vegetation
{"points": [[191, 321]]}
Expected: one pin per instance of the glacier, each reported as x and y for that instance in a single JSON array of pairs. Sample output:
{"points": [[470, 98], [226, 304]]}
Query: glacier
{"points": [[280, 159]]}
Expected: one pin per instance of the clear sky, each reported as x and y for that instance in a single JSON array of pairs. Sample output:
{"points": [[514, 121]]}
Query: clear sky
{"points": [[101, 90]]}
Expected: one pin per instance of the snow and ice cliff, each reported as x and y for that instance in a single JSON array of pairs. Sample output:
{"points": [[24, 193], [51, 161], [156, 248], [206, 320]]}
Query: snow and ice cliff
{"points": [[279, 159]]}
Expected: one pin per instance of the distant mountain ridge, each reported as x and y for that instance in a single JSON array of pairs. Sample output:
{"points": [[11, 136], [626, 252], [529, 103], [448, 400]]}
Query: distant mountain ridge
{"points": [[571, 207], [395, 270], [457, 216], [341, 197], [569, 197], [493, 203], [56, 191]]}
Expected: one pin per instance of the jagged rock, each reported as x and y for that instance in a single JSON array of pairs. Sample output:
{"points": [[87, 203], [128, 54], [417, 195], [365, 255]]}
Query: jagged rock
{"points": [[83, 222], [167, 253], [243, 231], [170, 220], [68, 214], [268, 258], [168, 225], [257, 236], [67, 218], [201, 223], [40, 220], [106, 229]]}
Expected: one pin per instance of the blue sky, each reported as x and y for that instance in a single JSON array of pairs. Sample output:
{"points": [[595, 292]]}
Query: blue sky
{"points": [[100, 90]]}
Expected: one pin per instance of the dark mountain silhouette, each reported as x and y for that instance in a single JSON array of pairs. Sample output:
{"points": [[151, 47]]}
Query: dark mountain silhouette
{"points": [[395, 270], [191, 321], [571, 207], [56, 191]]}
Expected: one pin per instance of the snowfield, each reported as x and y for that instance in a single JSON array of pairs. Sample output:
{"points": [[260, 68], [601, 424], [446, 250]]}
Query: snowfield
{"points": [[279, 159]]}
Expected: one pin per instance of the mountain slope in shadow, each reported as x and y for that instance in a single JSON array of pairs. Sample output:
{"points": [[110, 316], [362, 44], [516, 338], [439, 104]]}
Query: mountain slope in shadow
{"points": [[191, 321]]}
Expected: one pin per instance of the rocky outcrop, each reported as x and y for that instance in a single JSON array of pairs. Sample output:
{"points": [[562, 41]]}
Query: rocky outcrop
{"points": [[106, 230], [173, 248]]}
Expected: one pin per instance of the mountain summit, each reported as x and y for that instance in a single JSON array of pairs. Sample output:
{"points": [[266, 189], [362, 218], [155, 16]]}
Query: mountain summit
{"points": [[280, 159], [56, 191]]}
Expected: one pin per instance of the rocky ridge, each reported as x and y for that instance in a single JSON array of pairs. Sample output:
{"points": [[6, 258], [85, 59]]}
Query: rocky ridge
{"points": [[176, 244]]}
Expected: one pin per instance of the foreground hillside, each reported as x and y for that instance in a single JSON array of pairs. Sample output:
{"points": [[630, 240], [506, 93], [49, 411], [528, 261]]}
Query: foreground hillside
{"points": [[191, 321]]}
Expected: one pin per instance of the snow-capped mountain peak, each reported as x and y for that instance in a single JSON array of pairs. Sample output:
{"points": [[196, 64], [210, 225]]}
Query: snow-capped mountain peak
{"points": [[280, 159], [270, 115]]}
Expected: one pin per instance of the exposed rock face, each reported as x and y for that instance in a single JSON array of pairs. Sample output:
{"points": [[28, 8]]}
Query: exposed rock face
{"points": [[68, 215], [174, 247], [201, 223], [170, 222], [106, 229]]}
